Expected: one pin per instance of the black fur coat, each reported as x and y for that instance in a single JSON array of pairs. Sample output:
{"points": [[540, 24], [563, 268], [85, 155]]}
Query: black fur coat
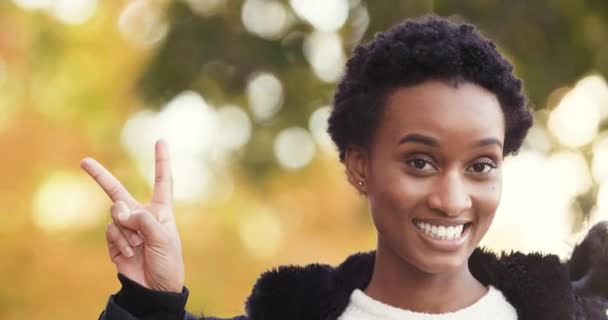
{"points": [[538, 286]]}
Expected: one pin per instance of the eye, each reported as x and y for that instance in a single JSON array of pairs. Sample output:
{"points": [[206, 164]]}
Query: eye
{"points": [[421, 165], [481, 167]]}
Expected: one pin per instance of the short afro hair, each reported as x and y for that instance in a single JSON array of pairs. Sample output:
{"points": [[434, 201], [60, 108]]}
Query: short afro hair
{"points": [[418, 50]]}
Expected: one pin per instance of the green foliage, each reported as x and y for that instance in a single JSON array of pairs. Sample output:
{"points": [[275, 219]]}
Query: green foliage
{"points": [[552, 44]]}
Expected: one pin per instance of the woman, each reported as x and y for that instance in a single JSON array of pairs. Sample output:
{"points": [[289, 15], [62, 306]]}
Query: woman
{"points": [[422, 119]]}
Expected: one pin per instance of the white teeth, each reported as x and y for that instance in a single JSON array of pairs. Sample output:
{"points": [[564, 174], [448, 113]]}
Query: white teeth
{"points": [[441, 232], [459, 229], [450, 233]]}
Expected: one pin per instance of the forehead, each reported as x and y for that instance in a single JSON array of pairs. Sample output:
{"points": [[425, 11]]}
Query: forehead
{"points": [[450, 112]]}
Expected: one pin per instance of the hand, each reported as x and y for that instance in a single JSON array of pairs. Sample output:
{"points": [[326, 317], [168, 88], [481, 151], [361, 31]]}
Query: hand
{"points": [[143, 240]]}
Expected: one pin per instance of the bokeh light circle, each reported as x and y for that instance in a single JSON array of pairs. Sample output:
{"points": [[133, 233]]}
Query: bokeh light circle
{"points": [[294, 148]]}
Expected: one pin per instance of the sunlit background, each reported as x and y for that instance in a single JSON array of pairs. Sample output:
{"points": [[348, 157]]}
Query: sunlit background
{"points": [[242, 91]]}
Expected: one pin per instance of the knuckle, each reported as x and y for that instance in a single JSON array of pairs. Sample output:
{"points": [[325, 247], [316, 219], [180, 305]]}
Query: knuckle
{"points": [[138, 218], [114, 215], [109, 227], [96, 175], [126, 232], [113, 209], [111, 233], [121, 205], [114, 190], [143, 215]]}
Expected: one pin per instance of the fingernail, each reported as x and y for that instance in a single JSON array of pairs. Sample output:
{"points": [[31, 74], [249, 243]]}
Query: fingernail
{"points": [[127, 251], [123, 216], [136, 239]]}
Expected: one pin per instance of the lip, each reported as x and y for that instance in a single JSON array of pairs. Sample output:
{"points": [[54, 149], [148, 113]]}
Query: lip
{"points": [[445, 245]]}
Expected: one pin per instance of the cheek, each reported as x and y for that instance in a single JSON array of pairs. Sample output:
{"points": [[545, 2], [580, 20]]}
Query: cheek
{"points": [[487, 199], [393, 199], [494, 192]]}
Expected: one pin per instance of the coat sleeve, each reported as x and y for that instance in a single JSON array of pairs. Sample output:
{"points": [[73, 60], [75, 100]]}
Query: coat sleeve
{"points": [[135, 302], [591, 308], [588, 270]]}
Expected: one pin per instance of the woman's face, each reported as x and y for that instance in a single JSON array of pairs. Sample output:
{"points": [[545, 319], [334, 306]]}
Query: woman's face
{"points": [[433, 173]]}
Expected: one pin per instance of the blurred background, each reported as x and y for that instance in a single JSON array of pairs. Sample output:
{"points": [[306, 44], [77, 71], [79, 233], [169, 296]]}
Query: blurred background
{"points": [[242, 91]]}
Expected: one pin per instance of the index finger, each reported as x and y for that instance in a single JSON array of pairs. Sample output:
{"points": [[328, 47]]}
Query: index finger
{"points": [[110, 185], [163, 181]]}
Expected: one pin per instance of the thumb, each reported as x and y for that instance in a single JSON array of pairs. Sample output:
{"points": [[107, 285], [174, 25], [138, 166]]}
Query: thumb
{"points": [[144, 222]]}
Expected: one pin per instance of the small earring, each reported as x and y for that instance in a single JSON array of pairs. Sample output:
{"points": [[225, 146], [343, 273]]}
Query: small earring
{"points": [[361, 183]]}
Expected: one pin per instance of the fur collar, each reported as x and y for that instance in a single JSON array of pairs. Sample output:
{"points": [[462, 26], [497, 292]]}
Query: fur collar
{"points": [[537, 285]]}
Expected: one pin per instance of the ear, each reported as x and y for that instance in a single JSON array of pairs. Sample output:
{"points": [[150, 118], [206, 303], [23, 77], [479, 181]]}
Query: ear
{"points": [[356, 160]]}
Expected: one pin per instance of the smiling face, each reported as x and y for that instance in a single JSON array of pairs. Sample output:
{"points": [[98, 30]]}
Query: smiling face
{"points": [[432, 173]]}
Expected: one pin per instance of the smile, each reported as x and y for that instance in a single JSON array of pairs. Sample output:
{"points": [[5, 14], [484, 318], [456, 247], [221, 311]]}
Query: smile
{"points": [[442, 232]]}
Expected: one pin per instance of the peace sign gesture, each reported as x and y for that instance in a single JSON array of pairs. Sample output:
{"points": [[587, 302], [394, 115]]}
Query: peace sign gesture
{"points": [[142, 239]]}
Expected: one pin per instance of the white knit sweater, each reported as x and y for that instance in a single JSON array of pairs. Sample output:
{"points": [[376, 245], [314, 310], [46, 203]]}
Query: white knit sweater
{"points": [[492, 305]]}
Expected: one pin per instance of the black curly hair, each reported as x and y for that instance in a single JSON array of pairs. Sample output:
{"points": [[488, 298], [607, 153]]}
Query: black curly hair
{"points": [[418, 50]]}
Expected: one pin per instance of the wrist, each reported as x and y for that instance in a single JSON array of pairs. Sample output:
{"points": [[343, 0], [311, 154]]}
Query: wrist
{"points": [[176, 286], [139, 300]]}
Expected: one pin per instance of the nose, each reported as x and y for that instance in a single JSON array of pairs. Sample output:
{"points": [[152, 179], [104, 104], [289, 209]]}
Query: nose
{"points": [[450, 195]]}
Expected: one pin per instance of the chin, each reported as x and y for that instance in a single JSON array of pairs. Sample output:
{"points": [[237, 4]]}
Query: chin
{"points": [[440, 264]]}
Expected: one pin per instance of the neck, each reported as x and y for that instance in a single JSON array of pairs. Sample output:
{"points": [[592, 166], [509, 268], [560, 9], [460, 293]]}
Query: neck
{"points": [[397, 283]]}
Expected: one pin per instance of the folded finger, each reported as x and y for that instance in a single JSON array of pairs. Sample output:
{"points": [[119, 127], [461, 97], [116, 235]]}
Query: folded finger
{"points": [[146, 224], [132, 236], [117, 241], [110, 185]]}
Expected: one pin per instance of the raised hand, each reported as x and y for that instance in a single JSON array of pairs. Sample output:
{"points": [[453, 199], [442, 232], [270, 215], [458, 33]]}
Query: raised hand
{"points": [[143, 240]]}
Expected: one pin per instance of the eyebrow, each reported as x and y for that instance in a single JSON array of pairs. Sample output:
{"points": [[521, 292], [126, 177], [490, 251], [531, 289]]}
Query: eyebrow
{"points": [[419, 138], [432, 142], [488, 142]]}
